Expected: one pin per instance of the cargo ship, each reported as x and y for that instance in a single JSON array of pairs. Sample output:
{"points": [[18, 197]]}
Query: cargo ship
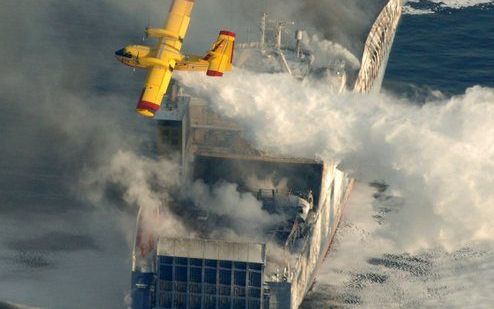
{"points": [[276, 265]]}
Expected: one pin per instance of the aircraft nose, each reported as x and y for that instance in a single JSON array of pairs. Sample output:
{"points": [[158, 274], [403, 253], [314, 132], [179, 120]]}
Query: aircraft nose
{"points": [[120, 52]]}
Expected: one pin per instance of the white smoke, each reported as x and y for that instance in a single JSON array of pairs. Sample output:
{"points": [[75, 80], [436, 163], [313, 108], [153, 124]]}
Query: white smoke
{"points": [[145, 184], [255, 183], [242, 210], [157, 186], [327, 52], [437, 157]]}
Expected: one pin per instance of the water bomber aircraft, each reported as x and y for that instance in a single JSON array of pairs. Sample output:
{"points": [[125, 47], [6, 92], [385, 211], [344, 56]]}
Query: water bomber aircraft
{"points": [[166, 56]]}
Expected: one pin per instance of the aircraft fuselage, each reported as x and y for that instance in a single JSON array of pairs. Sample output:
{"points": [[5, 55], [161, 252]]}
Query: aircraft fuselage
{"points": [[133, 56]]}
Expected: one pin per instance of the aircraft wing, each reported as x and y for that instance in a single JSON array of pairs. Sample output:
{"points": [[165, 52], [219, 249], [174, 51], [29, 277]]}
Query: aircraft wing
{"points": [[152, 95], [167, 54]]}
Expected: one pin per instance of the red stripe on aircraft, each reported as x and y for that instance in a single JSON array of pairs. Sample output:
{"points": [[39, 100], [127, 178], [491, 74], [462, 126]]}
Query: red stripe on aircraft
{"points": [[148, 105], [214, 73], [228, 33]]}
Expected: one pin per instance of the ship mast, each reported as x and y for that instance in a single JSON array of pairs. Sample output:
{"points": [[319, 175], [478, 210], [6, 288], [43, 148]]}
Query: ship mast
{"points": [[263, 30]]}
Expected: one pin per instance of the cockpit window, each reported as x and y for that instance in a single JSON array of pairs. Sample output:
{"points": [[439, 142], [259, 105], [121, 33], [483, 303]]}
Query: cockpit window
{"points": [[123, 53]]}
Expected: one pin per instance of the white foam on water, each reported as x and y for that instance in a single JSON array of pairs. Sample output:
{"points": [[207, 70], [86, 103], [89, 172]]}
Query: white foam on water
{"points": [[452, 4], [366, 270], [413, 11], [457, 4]]}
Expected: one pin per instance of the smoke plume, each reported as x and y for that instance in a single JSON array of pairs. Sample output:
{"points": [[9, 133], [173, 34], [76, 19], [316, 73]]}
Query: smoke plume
{"points": [[437, 157]]}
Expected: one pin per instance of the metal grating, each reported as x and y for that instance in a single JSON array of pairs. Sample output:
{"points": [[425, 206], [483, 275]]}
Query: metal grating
{"points": [[209, 284]]}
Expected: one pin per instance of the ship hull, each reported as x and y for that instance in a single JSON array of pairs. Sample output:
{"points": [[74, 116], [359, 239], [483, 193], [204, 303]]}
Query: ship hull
{"points": [[337, 187]]}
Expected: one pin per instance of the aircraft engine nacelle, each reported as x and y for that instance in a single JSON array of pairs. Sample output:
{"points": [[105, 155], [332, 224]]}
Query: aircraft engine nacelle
{"points": [[220, 57]]}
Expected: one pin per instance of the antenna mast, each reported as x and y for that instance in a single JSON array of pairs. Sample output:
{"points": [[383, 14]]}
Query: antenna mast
{"points": [[263, 30]]}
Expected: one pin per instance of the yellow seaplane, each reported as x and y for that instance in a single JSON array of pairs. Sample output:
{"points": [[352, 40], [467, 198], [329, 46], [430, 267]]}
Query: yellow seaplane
{"points": [[166, 57]]}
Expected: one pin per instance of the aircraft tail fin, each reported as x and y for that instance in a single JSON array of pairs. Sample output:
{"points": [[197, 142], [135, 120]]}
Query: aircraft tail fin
{"points": [[220, 57]]}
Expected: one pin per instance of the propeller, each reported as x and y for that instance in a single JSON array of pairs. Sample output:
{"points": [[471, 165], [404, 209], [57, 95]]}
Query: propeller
{"points": [[146, 36], [137, 61]]}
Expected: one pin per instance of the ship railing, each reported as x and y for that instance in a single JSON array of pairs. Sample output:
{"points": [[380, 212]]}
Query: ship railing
{"points": [[378, 45]]}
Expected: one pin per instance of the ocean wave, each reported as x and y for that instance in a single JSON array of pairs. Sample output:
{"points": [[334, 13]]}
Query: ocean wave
{"points": [[367, 271], [414, 11], [421, 7]]}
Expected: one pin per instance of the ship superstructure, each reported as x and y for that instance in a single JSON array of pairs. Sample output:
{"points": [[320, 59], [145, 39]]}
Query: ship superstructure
{"points": [[231, 262]]}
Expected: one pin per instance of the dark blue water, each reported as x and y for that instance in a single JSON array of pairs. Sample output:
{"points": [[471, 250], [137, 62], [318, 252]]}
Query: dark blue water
{"points": [[450, 50]]}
